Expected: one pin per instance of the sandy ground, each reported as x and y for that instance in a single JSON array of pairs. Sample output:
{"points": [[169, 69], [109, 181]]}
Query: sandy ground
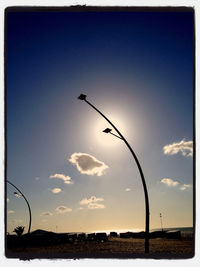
{"points": [[114, 248]]}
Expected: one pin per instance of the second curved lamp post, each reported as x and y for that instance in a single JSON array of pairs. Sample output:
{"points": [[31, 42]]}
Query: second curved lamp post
{"points": [[83, 97], [29, 208]]}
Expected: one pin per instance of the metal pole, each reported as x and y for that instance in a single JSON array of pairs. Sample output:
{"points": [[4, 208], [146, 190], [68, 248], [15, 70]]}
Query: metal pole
{"points": [[141, 174], [161, 221], [29, 208]]}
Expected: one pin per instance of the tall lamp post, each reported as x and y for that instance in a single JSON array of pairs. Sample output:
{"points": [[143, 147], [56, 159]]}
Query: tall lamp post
{"points": [[107, 130], [29, 208]]}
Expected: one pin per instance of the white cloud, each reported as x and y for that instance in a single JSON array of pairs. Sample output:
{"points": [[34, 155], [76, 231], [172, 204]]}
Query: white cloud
{"points": [[18, 194], [87, 164], [93, 199], [63, 209], [169, 182], [46, 213], [127, 189], [92, 202], [66, 179], [11, 211], [184, 147], [93, 206], [68, 182], [56, 190], [37, 178], [185, 186]]}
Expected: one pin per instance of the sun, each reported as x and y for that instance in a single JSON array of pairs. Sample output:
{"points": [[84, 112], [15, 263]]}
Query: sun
{"points": [[107, 139]]}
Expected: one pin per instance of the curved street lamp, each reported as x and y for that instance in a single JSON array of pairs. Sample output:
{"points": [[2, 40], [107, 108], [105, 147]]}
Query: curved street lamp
{"points": [[29, 208], [108, 130]]}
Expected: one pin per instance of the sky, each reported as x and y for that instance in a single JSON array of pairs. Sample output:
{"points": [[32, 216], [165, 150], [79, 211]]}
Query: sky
{"points": [[137, 68]]}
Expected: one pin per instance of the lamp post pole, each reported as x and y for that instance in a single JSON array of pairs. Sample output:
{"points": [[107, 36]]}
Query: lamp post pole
{"points": [[83, 97], [161, 221], [29, 208]]}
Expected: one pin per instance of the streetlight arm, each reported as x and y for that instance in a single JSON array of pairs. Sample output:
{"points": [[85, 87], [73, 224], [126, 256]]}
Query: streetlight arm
{"points": [[116, 135], [140, 170], [29, 208]]}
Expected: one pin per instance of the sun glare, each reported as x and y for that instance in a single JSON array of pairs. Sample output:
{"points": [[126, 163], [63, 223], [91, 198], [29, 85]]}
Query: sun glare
{"points": [[106, 138]]}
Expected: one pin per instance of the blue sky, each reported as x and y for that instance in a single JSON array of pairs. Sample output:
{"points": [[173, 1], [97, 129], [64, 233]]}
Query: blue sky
{"points": [[137, 68]]}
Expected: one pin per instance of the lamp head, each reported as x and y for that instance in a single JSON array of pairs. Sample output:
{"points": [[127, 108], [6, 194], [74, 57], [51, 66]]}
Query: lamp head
{"points": [[82, 97], [107, 130]]}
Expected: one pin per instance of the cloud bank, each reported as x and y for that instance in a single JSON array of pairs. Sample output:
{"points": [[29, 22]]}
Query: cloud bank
{"points": [[87, 164], [169, 182], [183, 147], [63, 209], [66, 179], [92, 203]]}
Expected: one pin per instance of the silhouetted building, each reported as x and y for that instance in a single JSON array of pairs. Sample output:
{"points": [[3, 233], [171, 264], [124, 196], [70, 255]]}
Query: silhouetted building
{"points": [[82, 237], [91, 237], [113, 234], [101, 237], [173, 235]]}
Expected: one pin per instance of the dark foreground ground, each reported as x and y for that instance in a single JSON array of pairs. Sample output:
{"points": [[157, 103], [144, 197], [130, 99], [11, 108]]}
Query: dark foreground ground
{"points": [[113, 248]]}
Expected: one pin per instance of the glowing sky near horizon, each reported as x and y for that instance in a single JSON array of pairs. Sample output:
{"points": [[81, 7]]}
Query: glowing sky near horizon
{"points": [[137, 68]]}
